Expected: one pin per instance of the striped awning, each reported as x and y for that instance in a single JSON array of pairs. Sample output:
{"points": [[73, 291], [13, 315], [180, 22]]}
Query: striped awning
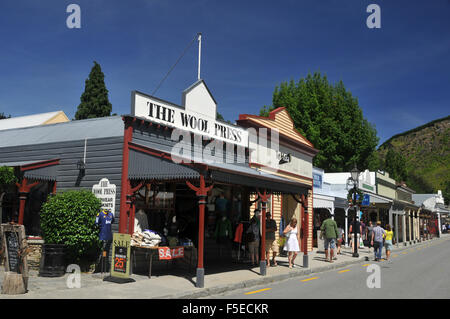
{"points": [[146, 166], [43, 170]]}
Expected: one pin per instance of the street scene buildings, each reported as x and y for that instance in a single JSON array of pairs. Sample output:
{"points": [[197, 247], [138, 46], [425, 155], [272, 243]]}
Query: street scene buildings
{"points": [[171, 200]]}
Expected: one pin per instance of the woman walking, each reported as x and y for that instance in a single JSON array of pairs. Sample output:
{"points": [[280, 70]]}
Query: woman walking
{"points": [[293, 238], [388, 242]]}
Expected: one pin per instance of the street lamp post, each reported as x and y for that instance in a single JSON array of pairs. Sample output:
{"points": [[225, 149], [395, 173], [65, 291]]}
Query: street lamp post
{"points": [[354, 176]]}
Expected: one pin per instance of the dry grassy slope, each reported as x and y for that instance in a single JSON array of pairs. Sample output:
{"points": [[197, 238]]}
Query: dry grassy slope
{"points": [[427, 153]]}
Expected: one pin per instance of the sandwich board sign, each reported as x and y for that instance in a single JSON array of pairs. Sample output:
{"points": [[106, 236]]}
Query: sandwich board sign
{"points": [[120, 266], [14, 248]]}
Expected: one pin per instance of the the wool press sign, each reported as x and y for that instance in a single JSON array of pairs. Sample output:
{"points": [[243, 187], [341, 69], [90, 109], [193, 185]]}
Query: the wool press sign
{"points": [[106, 192], [162, 112]]}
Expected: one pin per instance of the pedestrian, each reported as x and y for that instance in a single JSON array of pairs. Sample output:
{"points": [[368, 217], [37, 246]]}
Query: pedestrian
{"points": [[340, 240], [293, 238], [253, 240], [329, 227], [377, 240], [363, 233], [271, 244], [355, 225], [388, 242], [369, 230]]}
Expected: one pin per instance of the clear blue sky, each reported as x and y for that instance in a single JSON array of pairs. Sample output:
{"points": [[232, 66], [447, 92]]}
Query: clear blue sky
{"points": [[399, 73]]}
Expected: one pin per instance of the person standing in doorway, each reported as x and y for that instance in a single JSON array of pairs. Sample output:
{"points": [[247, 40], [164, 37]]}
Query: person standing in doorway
{"points": [[377, 240], [253, 235], [271, 228], [291, 245], [388, 242], [329, 227]]}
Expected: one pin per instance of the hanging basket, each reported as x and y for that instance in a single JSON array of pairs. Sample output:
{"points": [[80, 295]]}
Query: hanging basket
{"points": [[359, 194]]}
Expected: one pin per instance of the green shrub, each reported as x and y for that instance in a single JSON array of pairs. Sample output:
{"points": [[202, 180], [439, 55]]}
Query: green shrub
{"points": [[7, 176], [69, 218]]}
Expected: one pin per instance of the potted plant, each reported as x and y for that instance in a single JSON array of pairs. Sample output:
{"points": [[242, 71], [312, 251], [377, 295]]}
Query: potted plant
{"points": [[69, 232]]}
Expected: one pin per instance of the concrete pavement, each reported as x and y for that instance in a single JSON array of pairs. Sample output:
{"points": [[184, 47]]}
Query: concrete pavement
{"points": [[176, 283]]}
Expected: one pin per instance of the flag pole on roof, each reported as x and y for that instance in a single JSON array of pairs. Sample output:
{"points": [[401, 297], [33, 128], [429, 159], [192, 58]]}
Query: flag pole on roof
{"points": [[199, 38]]}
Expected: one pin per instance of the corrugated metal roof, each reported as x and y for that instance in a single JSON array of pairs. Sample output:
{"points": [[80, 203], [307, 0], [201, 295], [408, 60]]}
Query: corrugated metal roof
{"points": [[63, 132]]}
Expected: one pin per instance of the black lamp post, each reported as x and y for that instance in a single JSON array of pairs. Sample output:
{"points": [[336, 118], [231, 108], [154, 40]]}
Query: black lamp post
{"points": [[354, 177]]}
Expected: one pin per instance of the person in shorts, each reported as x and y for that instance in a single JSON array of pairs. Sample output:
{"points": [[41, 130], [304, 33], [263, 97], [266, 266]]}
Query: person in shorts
{"points": [[388, 238], [330, 231], [271, 244]]}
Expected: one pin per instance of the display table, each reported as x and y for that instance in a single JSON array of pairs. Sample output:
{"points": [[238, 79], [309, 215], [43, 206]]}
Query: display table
{"points": [[164, 253]]}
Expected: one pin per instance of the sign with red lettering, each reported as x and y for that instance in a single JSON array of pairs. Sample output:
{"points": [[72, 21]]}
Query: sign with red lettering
{"points": [[167, 253]]}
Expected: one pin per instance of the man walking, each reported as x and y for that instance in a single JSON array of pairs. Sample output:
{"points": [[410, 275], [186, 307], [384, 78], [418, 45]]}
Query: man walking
{"points": [[329, 227], [271, 228], [377, 240]]}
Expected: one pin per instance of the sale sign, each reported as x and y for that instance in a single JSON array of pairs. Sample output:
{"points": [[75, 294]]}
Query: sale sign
{"points": [[167, 253], [120, 266]]}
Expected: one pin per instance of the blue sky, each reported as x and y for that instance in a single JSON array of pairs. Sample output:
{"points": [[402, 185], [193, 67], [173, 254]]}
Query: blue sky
{"points": [[399, 73]]}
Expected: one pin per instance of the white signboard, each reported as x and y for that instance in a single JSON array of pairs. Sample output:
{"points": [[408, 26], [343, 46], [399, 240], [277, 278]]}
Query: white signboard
{"points": [[106, 192], [168, 114]]}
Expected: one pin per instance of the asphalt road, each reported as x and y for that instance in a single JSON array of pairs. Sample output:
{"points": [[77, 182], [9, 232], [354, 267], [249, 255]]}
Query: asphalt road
{"points": [[421, 271]]}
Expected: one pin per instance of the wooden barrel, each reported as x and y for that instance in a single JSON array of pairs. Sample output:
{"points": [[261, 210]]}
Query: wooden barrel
{"points": [[53, 262]]}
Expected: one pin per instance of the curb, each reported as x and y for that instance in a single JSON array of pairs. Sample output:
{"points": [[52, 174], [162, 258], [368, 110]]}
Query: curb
{"points": [[206, 292]]}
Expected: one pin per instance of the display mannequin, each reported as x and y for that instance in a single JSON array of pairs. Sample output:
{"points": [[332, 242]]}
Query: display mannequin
{"points": [[104, 220]]}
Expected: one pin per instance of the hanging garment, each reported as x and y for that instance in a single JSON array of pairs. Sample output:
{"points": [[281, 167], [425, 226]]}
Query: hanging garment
{"points": [[105, 219], [238, 234], [223, 229]]}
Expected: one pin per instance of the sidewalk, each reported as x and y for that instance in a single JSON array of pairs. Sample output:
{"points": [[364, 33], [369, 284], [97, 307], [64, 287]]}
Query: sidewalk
{"points": [[179, 284]]}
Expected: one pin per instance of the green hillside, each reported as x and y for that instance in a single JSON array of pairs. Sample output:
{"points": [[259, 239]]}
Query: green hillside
{"points": [[427, 154]]}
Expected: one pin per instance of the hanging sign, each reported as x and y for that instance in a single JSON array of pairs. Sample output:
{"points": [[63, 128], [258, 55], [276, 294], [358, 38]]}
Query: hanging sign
{"points": [[167, 253], [106, 192], [120, 265], [166, 113]]}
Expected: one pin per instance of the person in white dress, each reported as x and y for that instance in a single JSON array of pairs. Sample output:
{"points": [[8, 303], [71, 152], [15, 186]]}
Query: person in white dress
{"points": [[292, 239]]}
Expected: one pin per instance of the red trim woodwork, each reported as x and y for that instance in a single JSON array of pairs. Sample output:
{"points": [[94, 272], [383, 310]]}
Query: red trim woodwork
{"points": [[264, 198], [201, 192], [24, 189], [124, 207], [32, 166]]}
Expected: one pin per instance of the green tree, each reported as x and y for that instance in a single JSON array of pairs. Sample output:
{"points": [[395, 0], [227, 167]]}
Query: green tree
{"points": [[3, 116], [330, 117], [94, 100], [446, 193], [395, 165]]}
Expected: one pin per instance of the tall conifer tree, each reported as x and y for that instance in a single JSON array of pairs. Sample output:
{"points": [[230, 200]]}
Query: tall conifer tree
{"points": [[94, 100]]}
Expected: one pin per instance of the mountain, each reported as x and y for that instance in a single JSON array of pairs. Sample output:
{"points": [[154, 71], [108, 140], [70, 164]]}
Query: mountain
{"points": [[426, 150]]}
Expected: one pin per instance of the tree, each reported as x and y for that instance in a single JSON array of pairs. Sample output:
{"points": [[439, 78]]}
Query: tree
{"points": [[3, 116], [395, 165], [94, 100], [446, 193], [330, 117]]}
